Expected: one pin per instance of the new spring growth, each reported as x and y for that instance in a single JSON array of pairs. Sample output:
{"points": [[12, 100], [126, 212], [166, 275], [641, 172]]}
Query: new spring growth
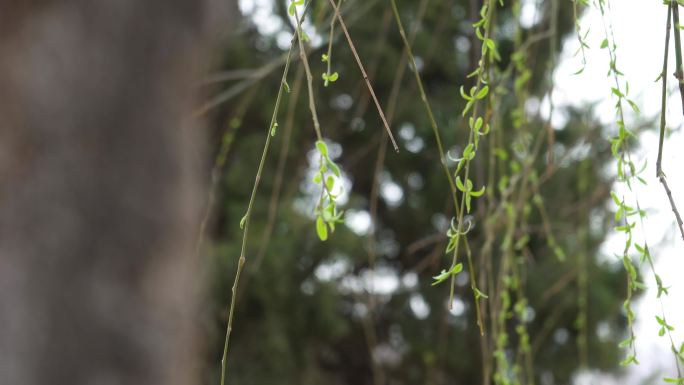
{"points": [[327, 76], [326, 209]]}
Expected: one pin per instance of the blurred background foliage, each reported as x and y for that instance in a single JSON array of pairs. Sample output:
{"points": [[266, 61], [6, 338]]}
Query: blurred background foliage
{"points": [[312, 312]]}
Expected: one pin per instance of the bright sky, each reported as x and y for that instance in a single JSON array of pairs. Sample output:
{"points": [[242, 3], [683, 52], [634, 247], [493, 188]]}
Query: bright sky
{"points": [[639, 32]]}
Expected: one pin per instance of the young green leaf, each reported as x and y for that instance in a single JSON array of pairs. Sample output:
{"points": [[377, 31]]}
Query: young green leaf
{"points": [[322, 148], [482, 93], [321, 229]]}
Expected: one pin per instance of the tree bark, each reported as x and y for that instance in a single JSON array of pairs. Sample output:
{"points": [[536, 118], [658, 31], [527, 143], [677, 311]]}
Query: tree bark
{"points": [[99, 194]]}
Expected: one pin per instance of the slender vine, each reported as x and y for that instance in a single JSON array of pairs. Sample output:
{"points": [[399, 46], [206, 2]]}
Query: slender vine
{"points": [[443, 159], [244, 222]]}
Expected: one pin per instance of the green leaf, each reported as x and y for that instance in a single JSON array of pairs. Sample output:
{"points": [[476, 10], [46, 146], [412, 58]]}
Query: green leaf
{"points": [[482, 93], [464, 95], [634, 106], [441, 277], [273, 128], [321, 229], [243, 221], [615, 198], [459, 184], [322, 148], [468, 152], [330, 182], [478, 193], [444, 275], [333, 77], [293, 5], [478, 124], [333, 167], [604, 43], [456, 269], [625, 343], [479, 294], [631, 359], [324, 58]]}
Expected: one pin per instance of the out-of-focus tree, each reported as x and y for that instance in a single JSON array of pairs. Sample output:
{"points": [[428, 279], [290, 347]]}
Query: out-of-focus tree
{"points": [[99, 190], [312, 312]]}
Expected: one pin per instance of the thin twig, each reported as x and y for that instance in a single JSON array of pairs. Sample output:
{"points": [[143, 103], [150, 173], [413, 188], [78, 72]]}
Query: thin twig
{"points": [[680, 224], [679, 74], [363, 73], [246, 218], [663, 105], [280, 171], [330, 42], [438, 138], [673, 12]]}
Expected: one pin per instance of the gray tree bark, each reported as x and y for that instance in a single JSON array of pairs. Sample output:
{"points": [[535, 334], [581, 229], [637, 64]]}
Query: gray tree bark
{"points": [[99, 194]]}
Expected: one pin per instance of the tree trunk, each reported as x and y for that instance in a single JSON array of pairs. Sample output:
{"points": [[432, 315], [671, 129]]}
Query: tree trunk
{"points": [[99, 194]]}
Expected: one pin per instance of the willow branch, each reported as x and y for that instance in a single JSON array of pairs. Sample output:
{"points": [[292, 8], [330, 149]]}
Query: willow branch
{"points": [[363, 73], [673, 12], [247, 217]]}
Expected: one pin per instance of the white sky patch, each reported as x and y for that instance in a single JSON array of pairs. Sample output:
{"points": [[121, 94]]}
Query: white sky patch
{"points": [[332, 270], [268, 23], [529, 13], [412, 142], [262, 14], [639, 52], [457, 307], [418, 306], [409, 280], [358, 221], [390, 191], [382, 281]]}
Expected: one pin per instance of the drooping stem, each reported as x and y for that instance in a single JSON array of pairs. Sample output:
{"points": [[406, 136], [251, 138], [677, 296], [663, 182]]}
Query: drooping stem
{"points": [[280, 171], [480, 84], [438, 139], [363, 73], [663, 105], [330, 42], [246, 219], [679, 73], [673, 13]]}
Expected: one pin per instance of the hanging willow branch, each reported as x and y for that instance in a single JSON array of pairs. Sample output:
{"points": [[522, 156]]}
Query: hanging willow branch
{"points": [[672, 12], [244, 223], [363, 73]]}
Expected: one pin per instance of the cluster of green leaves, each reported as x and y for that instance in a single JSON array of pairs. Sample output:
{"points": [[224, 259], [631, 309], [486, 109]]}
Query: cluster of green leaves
{"points": [[327, 76], [581, 37], [326, 209], [293, 6], [626, 172], [633, 282], [478, 127]]}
